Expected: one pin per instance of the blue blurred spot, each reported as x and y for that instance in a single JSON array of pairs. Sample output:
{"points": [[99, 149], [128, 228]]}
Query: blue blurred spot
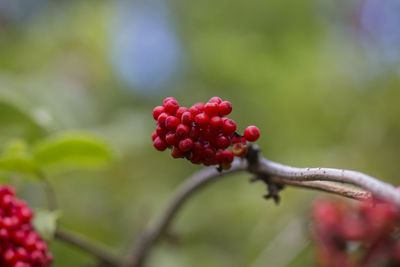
{"points": [[145, 51], [380, 25]]}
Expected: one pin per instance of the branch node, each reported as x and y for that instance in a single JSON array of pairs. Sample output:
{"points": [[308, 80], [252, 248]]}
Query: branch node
{"points": [[273, 188]]}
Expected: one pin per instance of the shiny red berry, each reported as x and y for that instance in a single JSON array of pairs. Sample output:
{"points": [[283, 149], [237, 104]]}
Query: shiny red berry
{"points": [[215, 99], [161, 130], [251, 134], [229, 127], [171, 123], [211, 109], [227, 156], [159, 144], [202, 120], [225, 108], [171, 106], [216, 123], [162, 118], [167, 99], [209, 152], [153, 135], [197, 108], [186, 144], [182, 131], [180, 111], [177, 153], [223, 142], [157, 111], [171, 138], [187, 118]]}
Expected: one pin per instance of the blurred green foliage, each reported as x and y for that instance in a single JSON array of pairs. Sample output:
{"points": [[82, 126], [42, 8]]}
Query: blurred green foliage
{"points": [[284, 65]]}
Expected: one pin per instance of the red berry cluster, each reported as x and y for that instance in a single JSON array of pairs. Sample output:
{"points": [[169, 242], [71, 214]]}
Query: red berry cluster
{"points": [[356, 235], [20, 245], [201, 133]]}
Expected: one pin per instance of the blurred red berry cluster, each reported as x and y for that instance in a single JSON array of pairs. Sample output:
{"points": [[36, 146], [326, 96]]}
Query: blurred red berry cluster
{"points": [[201, 133], [20, 245], [362, 234]]}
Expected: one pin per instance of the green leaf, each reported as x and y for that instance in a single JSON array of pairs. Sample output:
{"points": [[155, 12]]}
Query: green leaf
{"points": [[16, 157], [16, 120], [45, 223], [72, 150]]}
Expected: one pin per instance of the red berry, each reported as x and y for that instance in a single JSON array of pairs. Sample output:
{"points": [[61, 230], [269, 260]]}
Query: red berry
{"points": [[216, 123], [215, 99], [171, 123], [186, 144], [187, 118], [211, 109], [42, 246], [162, 118], [223, 142], [197, 108], [160, 144], [171, 138], [177, 153], [7, 200], [180, 111], [22, 253], [9, 256], [161, 130], [202, 120], [182, 131], [18, 236], [197, 153], [227, 156], [229, 127], [7, 190], [194, 132], [171, 106], [157, 111], [209, 152], [7, 223], [225, 108], [251, 134], [219, 156], [4, 234], [153, 135], [167, 99], [37, 257], [236, 140]]}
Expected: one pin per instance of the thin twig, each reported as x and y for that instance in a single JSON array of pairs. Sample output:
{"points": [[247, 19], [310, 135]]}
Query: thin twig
{"points": [[98, 250], [151, 235], [103, 253], [329, 187], [312, 178]]}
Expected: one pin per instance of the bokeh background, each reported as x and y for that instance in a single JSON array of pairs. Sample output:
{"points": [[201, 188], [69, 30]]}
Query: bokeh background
{"points": [[320, 79]]}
